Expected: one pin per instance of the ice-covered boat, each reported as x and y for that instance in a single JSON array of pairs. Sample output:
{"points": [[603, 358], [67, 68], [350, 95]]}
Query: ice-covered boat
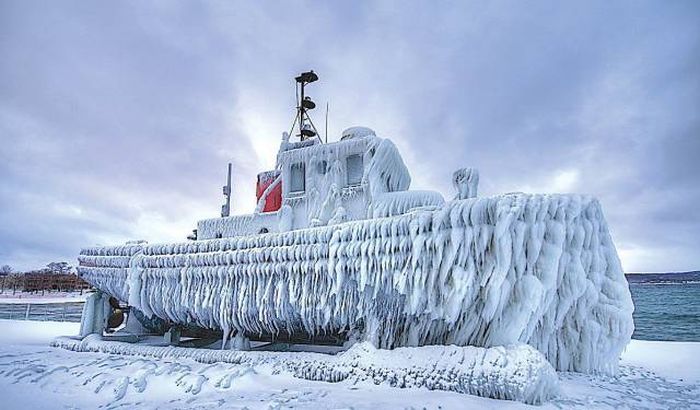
{"points": [[338, 246]]}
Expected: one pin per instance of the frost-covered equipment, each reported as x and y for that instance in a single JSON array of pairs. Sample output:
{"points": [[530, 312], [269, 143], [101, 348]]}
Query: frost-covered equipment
{"points": [[352, 252], [226, 207], [307, 130]]}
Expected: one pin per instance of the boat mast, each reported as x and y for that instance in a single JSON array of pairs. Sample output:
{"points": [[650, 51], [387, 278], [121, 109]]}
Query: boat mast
{"points": [[306, 130]]}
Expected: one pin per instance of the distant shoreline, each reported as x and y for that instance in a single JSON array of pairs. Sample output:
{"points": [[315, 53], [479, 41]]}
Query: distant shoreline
{"points": [[662, 278], [666, 282]]}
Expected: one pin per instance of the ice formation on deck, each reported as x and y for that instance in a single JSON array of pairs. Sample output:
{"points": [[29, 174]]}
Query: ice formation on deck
{"points": [[516, 372]]}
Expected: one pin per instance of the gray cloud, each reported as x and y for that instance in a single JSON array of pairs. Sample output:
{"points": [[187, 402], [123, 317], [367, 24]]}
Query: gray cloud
{"points": [[116, 120]]}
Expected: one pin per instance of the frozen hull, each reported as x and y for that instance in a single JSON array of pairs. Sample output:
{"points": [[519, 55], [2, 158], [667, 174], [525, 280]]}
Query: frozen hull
{"points": [[537, 269]]}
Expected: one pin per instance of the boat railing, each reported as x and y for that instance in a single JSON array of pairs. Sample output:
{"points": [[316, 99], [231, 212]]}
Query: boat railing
{"points": [[55, 312]]}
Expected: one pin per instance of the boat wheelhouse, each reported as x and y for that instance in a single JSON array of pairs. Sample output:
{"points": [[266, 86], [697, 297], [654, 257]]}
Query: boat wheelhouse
{"points": [[315, 184]]}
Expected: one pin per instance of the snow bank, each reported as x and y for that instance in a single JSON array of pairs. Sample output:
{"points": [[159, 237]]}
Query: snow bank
{"points": [[534, 269], [673, 360], [33, 333], [516, 372]]}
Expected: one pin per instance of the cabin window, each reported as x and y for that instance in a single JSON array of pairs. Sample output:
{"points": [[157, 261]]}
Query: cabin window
{"points": [[298, 178], [354, 169], [322, 167]]}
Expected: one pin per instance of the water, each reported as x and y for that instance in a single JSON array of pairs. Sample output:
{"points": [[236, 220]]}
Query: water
{"points": [[666, 311], [59, 312], [662, 311]]}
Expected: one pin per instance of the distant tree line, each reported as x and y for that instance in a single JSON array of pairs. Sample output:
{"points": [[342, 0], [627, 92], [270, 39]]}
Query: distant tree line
{"points": [[56, 276]]}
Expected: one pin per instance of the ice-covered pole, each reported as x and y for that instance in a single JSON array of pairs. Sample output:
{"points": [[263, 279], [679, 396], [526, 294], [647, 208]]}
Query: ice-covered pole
{"points": [[95, 312], [226, 208]]}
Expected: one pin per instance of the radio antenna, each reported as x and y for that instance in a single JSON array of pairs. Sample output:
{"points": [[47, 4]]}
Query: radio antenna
{"points": [[326, 133]]}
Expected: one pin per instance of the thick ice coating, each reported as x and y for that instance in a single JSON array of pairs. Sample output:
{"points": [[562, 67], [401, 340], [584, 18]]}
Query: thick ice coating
{"points": [[516, 372], [535, 269]]}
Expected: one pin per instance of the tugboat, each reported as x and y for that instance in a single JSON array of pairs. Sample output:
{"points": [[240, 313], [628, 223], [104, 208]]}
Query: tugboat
{"points": [[339, 249]]}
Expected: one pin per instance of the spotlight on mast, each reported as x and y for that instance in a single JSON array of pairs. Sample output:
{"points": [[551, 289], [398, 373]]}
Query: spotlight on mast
{"points": [[307, 77]]}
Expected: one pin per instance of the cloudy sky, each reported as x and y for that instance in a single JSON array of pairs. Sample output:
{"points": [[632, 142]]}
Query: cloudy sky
{"points": [[117, 119]]}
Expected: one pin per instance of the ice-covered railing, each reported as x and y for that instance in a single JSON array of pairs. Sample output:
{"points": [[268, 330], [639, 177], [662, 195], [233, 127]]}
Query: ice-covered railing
{"points": [[397, 203], [119, 250], [237, 225], [516, 372], [536, 269]]}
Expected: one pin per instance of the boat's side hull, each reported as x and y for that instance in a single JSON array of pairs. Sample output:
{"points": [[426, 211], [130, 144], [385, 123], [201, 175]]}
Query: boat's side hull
{"points": [[539, 269]]}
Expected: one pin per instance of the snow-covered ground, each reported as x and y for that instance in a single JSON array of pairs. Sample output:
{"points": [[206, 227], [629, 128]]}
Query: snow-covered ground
{"points": [[32, 375]]}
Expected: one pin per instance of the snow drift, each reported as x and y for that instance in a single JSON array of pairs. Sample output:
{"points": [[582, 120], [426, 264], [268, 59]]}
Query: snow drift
{"points": [[516, 372], [534, 269]]}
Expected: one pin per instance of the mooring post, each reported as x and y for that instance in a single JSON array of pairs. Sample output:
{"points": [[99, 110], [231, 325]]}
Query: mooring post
{"points": [[240, 342], [94, 315], [172, 336]]}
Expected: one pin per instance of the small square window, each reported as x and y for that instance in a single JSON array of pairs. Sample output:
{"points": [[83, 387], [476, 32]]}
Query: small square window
{"points": [[298, 178], [354, 169]]}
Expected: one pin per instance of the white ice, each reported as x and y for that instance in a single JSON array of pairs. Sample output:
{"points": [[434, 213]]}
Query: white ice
{"points": [[517, 268]]}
